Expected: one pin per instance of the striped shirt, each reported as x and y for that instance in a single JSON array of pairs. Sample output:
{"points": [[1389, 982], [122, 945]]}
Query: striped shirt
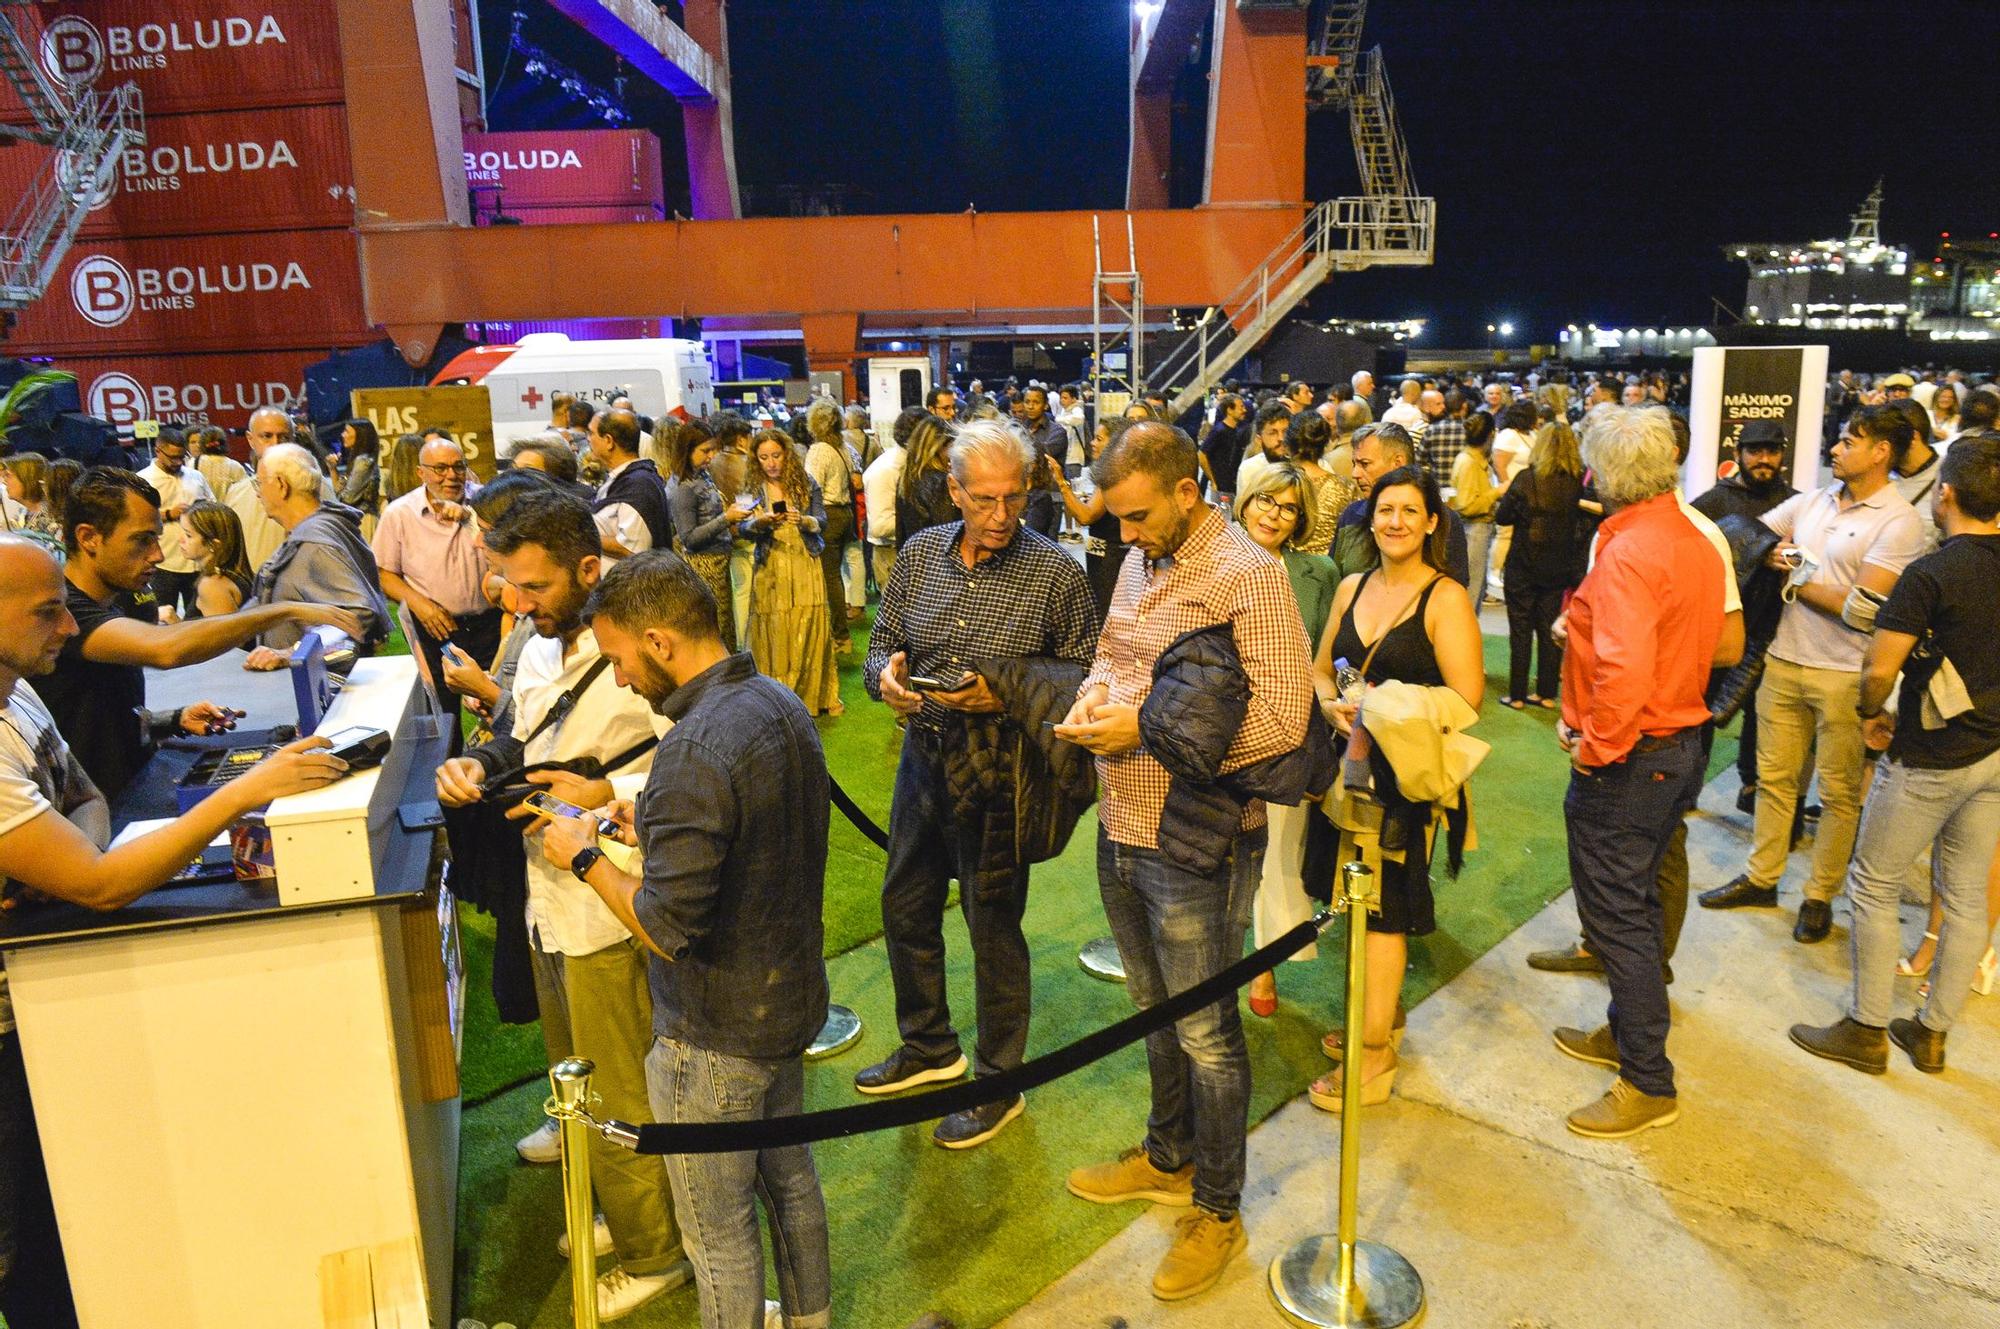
{"points": [[1219, 575], [1028, 599]]}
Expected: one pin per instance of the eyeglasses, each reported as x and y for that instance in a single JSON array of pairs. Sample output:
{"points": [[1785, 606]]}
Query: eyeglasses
{"points": [[986, 505], [1265, 503], [449, 468]]}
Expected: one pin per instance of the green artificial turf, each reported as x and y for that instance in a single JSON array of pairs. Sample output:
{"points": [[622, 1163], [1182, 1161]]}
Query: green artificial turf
{"points": [[973, 1235]]}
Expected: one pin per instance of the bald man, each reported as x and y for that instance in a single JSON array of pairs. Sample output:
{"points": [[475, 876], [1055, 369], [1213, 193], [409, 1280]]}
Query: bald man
{"points": [[54, 824], [427, 547], [269, 427]]}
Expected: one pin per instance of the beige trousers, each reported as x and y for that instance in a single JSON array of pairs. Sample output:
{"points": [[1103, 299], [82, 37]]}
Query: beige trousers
{"points": [[1800, 710]]}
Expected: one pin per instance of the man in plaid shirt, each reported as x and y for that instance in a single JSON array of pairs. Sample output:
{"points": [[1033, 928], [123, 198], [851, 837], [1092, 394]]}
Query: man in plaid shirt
{"points": [[1444, 432], [1189, 569]]}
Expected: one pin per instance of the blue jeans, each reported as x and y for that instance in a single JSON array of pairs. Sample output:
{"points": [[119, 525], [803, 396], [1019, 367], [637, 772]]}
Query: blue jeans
{"points": [[1174, 929], [924, 839], [1479, 554], [716, 1195], [1621, 820], [1906, 811]]}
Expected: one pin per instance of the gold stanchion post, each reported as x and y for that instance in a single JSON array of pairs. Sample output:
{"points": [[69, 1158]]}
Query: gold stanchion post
{"points": [[570, 1105], [1340, 1281]]}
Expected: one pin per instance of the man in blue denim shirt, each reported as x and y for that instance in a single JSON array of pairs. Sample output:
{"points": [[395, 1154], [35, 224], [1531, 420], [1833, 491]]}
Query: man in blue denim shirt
{"points": [[733, 823]]}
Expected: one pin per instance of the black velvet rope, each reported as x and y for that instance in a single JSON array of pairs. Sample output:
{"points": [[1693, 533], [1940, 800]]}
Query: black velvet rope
{"points": [[779, 1132], [862, 821]]}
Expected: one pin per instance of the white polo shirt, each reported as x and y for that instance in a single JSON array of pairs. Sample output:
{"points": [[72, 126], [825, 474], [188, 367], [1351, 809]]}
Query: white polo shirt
{"points": [[1882, 531], [565, 916]]}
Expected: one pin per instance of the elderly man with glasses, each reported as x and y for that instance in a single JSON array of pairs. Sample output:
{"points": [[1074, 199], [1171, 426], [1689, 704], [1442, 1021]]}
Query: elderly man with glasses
{"points": [[962, 596], [427, 548]]}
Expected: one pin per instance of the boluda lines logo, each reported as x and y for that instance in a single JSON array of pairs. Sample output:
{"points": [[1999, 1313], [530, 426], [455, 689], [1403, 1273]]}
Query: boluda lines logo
{"points": [[489, 167], [101, 289], [106, 293], [74, 52], [122, 399], [164, 168]]}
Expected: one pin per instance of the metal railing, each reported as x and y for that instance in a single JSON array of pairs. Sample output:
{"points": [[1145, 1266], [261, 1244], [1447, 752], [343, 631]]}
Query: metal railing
{"points": [[19, 66], [1349, 232], [1380, 153], [82, 169]]}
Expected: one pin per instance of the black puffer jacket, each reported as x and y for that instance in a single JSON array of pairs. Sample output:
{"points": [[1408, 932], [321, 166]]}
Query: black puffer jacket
{"points": [[1016, 790], [1761, 589], [1199, 698]]}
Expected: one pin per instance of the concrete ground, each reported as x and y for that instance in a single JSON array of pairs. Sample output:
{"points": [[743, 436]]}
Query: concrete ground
{"points": [[1793, 1191]]}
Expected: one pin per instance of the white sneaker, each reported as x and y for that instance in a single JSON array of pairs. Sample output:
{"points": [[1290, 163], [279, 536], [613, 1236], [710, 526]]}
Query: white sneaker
{"points": [[620, 1293], [600, 1237], [774, 1315], [541, 1145]]}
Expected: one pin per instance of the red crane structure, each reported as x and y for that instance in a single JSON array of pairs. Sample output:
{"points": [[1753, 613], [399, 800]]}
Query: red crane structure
{"points": [[839, 279]]}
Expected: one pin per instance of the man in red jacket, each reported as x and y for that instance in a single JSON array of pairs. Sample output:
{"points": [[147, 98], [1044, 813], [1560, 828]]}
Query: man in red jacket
{"points": [[1643, 628]]}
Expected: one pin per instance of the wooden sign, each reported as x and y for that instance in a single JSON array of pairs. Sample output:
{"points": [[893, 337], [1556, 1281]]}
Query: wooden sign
{"points": [[464, 411]]}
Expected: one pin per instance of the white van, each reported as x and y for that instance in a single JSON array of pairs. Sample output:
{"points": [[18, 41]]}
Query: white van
{"points": [[663, 377]]}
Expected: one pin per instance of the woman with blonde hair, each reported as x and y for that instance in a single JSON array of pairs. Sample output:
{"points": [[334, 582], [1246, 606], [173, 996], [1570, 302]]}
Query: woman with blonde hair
{"points": [[212, 538], [1277, 510], [1544, 560], [402, 469], [835, 469], [788, 623], [1944, 414], [26, 476], [923, 496]]}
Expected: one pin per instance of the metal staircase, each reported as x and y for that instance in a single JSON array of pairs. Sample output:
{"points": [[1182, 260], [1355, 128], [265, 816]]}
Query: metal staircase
{"points": [[1339, 40], [1389, 224], [1117, 324], [87, 133], [30, 83], [1339, 235]]}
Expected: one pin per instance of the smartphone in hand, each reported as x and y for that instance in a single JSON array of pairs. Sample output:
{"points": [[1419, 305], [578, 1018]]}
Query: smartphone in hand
{"points": [[549, 805], [926, 683]]}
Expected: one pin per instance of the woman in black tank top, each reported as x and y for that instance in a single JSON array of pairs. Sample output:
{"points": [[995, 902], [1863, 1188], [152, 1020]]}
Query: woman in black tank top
{"points": [[1411, 623]]}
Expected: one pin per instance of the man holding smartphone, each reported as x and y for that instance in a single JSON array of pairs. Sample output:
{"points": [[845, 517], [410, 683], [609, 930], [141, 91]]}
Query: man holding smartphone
{"points": [[980, 588], [589, 971], [1860, 534]]}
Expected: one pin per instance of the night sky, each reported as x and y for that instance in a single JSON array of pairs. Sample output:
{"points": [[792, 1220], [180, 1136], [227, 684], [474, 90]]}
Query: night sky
{"points": [[1589, 161]]}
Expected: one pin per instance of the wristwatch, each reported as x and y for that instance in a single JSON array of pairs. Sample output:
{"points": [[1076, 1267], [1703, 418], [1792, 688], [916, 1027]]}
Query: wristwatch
{"points": [[585, 860]]}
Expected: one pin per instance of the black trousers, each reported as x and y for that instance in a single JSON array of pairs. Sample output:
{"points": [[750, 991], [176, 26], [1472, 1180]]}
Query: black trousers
{"points": [[1531, 617], [839, 533], [176, 589], [478, 635], [923, 859]]}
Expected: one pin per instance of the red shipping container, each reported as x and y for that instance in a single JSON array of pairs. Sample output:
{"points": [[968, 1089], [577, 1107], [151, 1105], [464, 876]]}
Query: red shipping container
{"points": [[274, 170], [186, 389], [284, 289], [563, 168], [191, 55]]}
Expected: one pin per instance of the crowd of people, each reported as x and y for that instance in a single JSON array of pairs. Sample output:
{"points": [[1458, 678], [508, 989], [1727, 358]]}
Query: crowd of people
{"points": [[1257, 664]]}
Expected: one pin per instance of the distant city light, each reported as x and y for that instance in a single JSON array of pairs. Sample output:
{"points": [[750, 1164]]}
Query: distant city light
{"points": [[1506, 329]]}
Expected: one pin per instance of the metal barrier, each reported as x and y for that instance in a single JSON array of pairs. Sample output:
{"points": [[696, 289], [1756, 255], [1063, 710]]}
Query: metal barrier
{"points": [[570, 1105], [1325, 1281]]}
